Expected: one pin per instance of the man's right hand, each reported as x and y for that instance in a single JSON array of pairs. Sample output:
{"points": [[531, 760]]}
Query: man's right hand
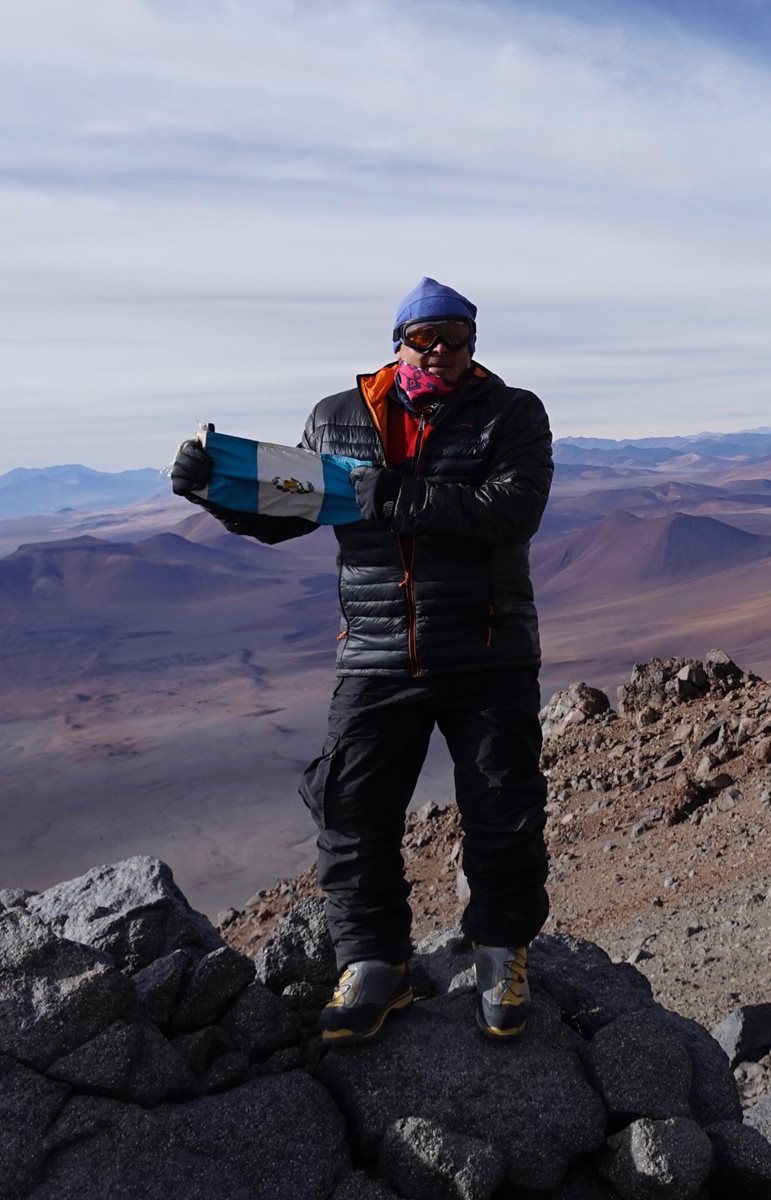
{"points": [[191, 470]]}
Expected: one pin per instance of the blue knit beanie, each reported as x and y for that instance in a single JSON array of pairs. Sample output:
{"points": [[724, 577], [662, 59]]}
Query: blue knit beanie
{"points": [[431, 300]]}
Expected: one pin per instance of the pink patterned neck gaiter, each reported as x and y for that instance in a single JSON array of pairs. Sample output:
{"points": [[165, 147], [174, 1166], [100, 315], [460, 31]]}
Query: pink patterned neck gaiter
{"points": [[418, 384]]}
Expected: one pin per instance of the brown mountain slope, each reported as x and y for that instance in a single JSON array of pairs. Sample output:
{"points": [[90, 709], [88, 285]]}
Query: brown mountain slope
{"points": [[623, 551], [58, 578]]}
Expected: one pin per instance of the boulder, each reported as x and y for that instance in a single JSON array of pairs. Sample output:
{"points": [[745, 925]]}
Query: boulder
{"points": [[274, 1138], [661, 681], [14, 897], [54, 994], [714, 1094], [745, 1034], [691, 682], [359, 1186], [426, 1162], [530, 1099], [214, 982], [589, 989], [28, 1105], [581, 1183], [131, 910], [654, 1160], [640, 1068], [227, 1071], [759, 1117], [215, 1062], [201, 1048], [288, 1059], [743, 1162], [259, 1022], [572, 706], [158, 985], [647, 686], [442, 963], [308, 999], [129, 1062], [299, 949], [721, 666]]}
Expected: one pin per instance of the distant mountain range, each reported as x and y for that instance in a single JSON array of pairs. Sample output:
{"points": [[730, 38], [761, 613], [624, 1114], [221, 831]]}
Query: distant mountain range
{"points": [[748, 441], [27, 491]]}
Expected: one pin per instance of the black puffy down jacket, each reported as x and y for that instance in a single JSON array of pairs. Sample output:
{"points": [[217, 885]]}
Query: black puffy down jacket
{"points": [[444, 587]]}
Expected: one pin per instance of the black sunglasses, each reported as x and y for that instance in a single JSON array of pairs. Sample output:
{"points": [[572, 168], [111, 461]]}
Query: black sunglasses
{"points": [[424, 335]]}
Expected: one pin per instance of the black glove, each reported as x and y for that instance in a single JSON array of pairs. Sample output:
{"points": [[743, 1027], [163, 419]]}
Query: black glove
{"points": [[269, 530], [377, 490], [191, 470]]}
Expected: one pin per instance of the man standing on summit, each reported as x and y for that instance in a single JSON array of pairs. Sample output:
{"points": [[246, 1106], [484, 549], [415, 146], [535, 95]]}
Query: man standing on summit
{"points": [[438, 627]]}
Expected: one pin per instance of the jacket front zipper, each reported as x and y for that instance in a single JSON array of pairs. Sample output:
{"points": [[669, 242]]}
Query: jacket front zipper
{"points": [[408, 581]]}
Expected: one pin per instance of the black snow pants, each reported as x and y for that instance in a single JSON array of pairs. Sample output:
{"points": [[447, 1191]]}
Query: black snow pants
{"points": [[359, 788]]}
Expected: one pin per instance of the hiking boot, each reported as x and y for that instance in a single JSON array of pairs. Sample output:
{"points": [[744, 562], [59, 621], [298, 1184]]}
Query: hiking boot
{"points": [[365, 994], [503, 994]]}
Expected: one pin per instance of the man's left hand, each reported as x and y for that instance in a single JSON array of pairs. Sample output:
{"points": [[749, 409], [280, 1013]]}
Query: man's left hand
{"points": [[377, 490]]}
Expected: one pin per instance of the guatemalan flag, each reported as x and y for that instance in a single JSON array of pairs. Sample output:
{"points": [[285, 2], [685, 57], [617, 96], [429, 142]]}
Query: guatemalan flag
{"points": [[280, 481]]}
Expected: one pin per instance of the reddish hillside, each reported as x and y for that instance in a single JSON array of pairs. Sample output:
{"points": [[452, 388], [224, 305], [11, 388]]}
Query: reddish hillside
{"points": [[624, 551], [56, 578], [317, 548]]}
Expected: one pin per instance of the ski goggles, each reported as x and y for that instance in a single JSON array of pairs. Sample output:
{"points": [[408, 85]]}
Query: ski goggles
{"points": [[424, 335]]}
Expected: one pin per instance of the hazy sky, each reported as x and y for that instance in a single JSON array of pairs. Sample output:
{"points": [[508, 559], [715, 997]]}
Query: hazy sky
{"points": [[209, 209]]}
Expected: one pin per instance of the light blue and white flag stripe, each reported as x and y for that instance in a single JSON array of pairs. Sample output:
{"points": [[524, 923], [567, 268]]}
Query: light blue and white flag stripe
{"points": [[280, 481]]}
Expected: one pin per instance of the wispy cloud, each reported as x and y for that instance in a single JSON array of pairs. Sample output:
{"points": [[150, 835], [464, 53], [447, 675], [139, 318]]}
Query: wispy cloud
{"points": [[211, 210]]}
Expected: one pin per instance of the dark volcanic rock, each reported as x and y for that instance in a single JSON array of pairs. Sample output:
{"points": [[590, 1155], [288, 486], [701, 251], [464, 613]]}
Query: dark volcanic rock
{"points": [[433, 1063], [714, 1094], [588, 988], [132, 910], [28, 1105], [580, 1184], [743, 1162], [128, 1062], [442, 963], [246, 1144], [158, 985], [745, 1033], [216, 979], [259, 1022], [424, 1161], [759, 1117], [224, 1072], [54, 994], [300, 949], [229, 1108], [359, 1186], [213, 1059], [199, 1049], [640, 1068], [691, 682], [653, 1159]]}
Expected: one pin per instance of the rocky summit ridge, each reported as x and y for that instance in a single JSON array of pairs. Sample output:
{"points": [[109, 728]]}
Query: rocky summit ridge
{"points": [[146, 1054], [142, 1057]]}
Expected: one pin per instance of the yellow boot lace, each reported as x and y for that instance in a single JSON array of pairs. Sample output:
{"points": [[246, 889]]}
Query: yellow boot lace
{"points": [[515, 989], [342, 990]]}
